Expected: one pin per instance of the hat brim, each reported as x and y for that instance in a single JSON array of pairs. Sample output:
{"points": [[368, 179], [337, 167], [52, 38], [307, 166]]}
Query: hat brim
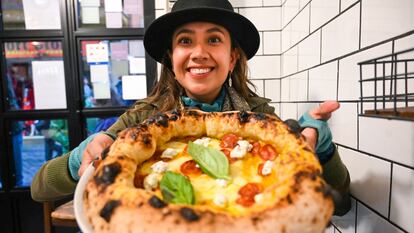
{"points": [[158, 36]]}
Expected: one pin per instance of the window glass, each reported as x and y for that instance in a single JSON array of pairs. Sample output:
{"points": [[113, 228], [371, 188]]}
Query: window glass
{"points": [[35, 75], [34, 143], [30, 14], [95, 125], [111, 13], [113, 72]]}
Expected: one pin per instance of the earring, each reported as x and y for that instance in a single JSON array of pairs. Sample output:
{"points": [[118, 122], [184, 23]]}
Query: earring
{"points": [[229, 77]]}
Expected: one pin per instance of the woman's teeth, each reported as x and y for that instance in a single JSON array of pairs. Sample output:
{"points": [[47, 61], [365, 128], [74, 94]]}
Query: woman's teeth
{"points": [[200, 71]]}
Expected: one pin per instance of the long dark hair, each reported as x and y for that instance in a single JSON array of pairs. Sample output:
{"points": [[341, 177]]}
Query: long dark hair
{"points": [[169, 90]]}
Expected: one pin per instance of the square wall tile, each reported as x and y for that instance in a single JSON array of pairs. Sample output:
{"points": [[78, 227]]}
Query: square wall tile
{"points": [[286, 38], [246, 3], [300, 26], [323, 82], [299, 87], [384, 19], [322, 11], [309, 51], [259, 87], [341, 36], [344, 125], [289, 11], [272, 42], [260, 49], [349, 71], [404, 43], [264, 18], [370, 179], [346, 223], [285, 89], [272, 2], [288, 111], [303, 3], [402, 201], [272, 90], [390, 139], [264, 67], [368, 221], [290, 61], [160, 4], [346, 3]]}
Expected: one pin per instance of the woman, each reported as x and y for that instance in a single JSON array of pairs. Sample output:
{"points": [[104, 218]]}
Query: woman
{"points": [[204, 47]]}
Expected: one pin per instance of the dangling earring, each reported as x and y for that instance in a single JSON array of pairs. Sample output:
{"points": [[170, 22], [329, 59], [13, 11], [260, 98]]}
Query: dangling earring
{"points": [[229, 77]]}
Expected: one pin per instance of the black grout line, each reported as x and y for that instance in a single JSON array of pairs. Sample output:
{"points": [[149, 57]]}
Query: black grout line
{"points": [[389, 199], [340, 2], [375, 156], [337, 81], [307, 94], [360, 24], [357, 126], [378, 213], [290, 21]]}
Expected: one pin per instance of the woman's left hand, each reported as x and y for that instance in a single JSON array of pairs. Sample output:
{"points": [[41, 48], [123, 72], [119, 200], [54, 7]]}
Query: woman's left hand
{"points": [[323, 112]]}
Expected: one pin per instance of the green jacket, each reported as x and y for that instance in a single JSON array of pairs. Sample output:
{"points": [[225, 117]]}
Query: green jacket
{"points": [[53, 180]]}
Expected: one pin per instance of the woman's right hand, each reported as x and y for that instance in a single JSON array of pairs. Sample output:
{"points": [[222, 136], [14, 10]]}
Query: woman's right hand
{"points": [[94, 150]]}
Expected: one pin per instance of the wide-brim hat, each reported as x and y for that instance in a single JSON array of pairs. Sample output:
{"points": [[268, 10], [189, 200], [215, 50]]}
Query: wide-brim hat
{"points": [[158, 36]]}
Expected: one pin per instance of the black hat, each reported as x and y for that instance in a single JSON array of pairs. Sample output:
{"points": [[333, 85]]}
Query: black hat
{"points": [[158, 36]]}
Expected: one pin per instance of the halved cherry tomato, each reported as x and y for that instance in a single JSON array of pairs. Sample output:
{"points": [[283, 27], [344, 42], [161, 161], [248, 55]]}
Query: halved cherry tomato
{"points": [[245, 201], [250, 190], [260, 168], [256, 148], [227, 154], [190, 168], [267, 152], [229, 141], [139, 180]]}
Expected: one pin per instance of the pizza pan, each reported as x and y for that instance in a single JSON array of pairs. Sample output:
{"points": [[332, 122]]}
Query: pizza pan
{"points": [[81, 219]]}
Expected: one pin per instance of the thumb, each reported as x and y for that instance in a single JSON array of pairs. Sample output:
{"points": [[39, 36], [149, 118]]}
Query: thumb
{"points": [[324, 111]]}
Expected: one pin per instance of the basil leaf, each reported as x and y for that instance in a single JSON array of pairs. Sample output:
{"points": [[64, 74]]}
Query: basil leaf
{"points": [[212, 161], [177, 189]]}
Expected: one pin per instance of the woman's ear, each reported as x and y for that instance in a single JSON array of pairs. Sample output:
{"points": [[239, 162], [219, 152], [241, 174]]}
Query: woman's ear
{"points": [[234, 56]]}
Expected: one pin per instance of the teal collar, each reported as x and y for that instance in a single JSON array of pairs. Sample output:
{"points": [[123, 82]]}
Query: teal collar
{"points": [[215, 107]]}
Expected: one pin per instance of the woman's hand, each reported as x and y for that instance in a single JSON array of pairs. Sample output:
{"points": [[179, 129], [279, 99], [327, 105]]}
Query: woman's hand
{"points": [[94, 150], [323, 112]]}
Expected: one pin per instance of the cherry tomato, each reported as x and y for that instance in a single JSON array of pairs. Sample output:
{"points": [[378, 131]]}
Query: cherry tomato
{"points": [[256, 148], [267, 152], [229, 141], [190, 168], [250, 190], [245, 201]]}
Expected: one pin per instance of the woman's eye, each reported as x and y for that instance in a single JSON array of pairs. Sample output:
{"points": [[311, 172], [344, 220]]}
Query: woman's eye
{"points": [[214, 40], [184, 41]]}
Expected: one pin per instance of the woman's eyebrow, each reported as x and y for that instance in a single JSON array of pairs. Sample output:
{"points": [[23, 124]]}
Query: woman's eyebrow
{"points": [[184, 30], [215, 29]]}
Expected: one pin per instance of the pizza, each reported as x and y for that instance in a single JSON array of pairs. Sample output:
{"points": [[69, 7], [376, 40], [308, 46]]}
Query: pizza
{"points": [[192, 171]]}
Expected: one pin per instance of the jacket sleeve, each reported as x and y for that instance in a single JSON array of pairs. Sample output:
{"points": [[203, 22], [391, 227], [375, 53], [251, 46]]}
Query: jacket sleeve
{"points": [[53, 180], [337, 176]]}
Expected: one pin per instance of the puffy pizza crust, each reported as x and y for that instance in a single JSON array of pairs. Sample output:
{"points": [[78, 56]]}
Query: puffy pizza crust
{"points": [[113, 204]]}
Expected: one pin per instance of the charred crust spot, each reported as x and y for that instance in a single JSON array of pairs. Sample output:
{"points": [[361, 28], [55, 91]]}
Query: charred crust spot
{"points": [[105, 153], [283, 229], [161, 120], [146, 139], [289, 199], [293, 127], [108, 209], [243, 116], [140, 204], [134, 135], [189, 214], [193, 113], [108, 174], [260, 116], [314, 220], [255, 220], [157, 203]]}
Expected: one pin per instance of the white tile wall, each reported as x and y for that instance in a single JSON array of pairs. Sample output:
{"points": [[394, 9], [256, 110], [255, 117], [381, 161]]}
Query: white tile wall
{"points": [[160, 4], [346, 223], [266, 18], [290, 61], [309, 51], [300, 26], [303, 3], [260, 49], [323, 82], [264, 66], [299, 87], [272, 2], [286, 37], [391, 139], [288, 111], [322, 11], [290, 9], [347, 3], [370, 179], [402, 201], [259, 87], [246, 3], [344, 124], [271, 42], [368, 221], [285, 89], [277, 108], [341, 36], [383, 19], [404, 43], [349, 73], [272, 90]]}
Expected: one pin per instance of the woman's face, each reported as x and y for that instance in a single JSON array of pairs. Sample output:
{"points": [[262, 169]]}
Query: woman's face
{"points": [[201, 59]]}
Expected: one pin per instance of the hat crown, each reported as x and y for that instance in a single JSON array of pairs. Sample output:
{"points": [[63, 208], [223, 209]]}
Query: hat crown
{"points": [[191, 4]]}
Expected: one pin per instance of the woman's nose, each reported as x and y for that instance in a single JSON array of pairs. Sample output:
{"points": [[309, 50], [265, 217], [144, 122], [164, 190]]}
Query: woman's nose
{"points": [[199, 52]]}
